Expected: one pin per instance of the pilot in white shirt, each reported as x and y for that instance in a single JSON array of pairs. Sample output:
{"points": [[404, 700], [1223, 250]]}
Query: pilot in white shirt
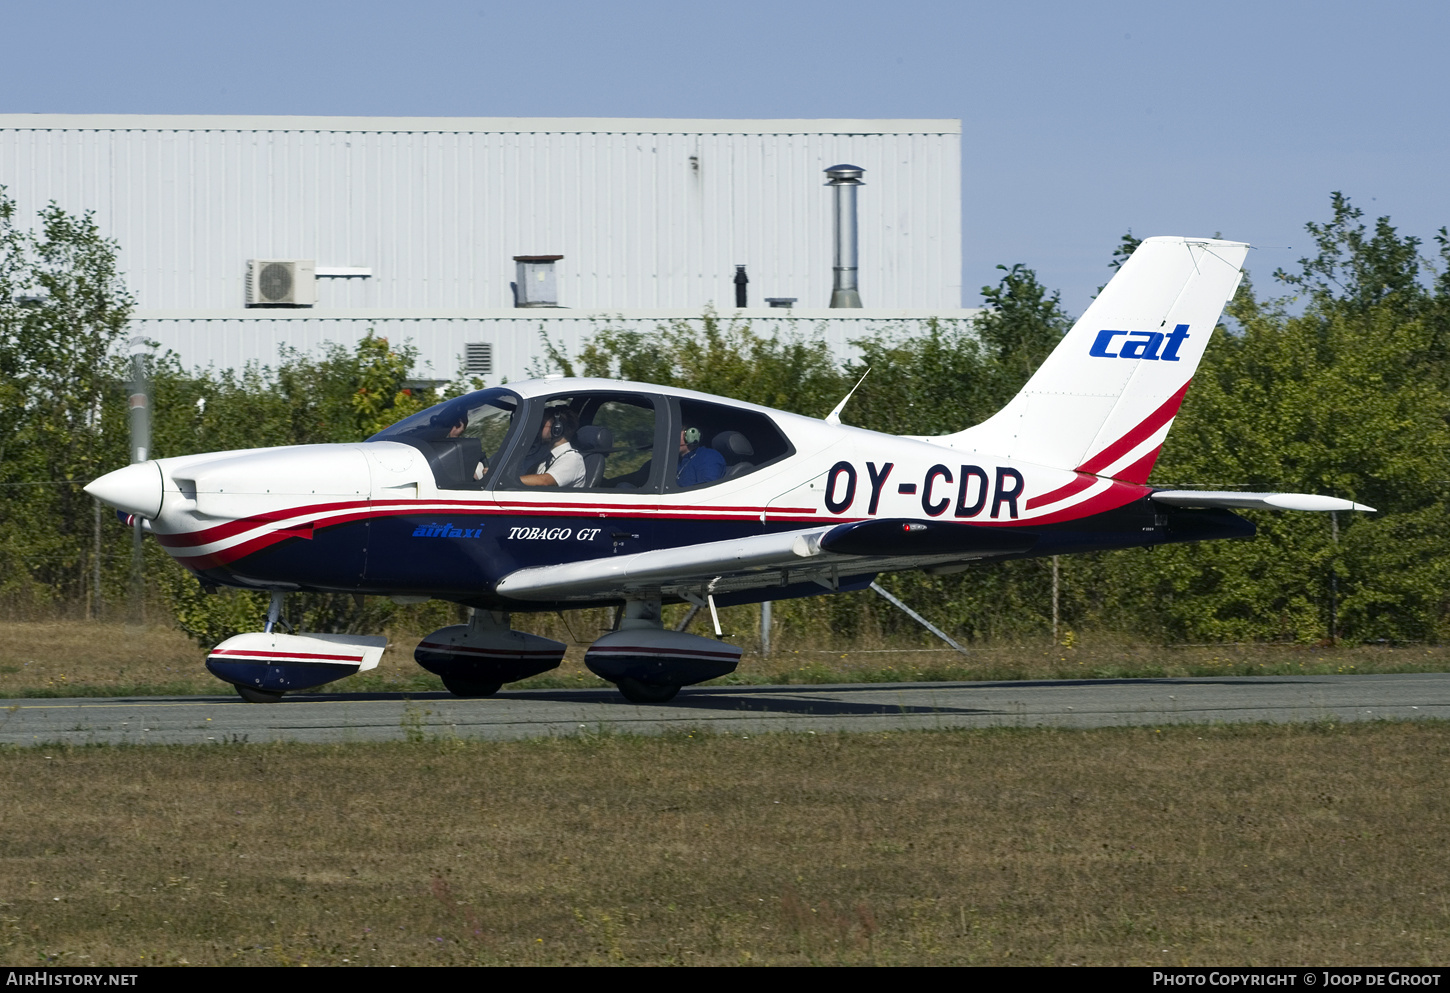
{"points": [[564, 466]]}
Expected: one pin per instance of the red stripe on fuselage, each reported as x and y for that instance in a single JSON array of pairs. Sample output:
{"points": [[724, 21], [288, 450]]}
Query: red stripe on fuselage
{"points": [[1118, 494], [1138, 472], [221, 532], [284, 655], [1137, 436], [1079, 483]]}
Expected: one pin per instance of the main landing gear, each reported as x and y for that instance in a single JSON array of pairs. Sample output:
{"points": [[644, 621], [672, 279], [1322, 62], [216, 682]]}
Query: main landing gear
{"points": [[477, 658], [639, 692], [647, 663], [650, 664]]}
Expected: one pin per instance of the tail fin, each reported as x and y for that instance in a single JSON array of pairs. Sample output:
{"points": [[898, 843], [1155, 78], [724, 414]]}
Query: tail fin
{"points": [[1106, 396]]}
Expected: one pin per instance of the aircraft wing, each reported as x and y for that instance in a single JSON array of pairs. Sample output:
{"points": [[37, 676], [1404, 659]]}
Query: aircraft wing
{"points": [[1254, 501], [820, 554]]}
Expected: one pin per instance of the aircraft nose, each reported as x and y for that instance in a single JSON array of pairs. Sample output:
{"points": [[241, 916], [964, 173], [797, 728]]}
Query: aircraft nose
{"points": [[136, 489]]}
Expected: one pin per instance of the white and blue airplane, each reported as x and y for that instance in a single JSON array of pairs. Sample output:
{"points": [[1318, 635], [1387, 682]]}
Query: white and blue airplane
{"points": [[562, 493]]}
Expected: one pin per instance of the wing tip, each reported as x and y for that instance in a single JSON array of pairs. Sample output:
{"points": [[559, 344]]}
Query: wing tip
{"points": [[1309, 502]]}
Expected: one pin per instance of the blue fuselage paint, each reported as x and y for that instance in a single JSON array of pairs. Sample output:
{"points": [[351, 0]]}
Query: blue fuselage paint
{"points": [[277, 676], [385, 555]]}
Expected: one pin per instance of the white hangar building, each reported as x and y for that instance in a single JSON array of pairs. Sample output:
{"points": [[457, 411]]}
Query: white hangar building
{"points": [[240, 235]]}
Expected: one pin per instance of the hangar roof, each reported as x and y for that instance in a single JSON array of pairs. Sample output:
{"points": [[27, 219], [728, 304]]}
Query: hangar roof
{"points": [[470, 125]]}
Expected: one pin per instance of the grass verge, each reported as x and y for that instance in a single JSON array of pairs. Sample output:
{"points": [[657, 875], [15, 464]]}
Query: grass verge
{"points": [[1246, 844], [89, 659]]}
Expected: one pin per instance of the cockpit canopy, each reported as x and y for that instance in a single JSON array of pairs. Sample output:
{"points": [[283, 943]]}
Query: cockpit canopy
{"points": [[461, 437], [640, 441]]}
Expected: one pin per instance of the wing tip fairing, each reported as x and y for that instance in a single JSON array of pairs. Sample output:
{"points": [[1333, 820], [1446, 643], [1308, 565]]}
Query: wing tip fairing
{"points": [[1229, 499]]}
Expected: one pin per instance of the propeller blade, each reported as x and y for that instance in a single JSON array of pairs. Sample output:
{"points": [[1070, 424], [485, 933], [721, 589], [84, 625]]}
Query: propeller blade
{"points": [[138, 401]]}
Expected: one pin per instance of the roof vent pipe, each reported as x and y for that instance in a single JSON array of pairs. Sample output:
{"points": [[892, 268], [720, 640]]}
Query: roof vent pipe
{"points": [[843, 179]]}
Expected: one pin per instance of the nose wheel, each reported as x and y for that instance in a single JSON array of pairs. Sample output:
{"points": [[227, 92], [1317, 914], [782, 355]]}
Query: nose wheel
{"points": [[253, 695]]}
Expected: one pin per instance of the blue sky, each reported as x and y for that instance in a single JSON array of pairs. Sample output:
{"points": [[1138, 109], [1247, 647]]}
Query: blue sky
{"points": [[1080, 120]]}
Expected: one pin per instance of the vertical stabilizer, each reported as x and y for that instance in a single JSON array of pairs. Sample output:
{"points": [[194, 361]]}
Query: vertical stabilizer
{"points": [[1103, 401]]}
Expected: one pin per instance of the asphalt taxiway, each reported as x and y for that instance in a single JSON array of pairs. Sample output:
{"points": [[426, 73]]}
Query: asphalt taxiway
{"points": [[359, 717]]}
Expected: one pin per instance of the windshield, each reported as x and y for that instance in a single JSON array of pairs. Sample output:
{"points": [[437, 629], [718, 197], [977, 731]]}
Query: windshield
{"points": [[460, 437]]}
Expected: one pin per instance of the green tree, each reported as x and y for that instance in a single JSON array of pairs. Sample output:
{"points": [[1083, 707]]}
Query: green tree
{"points": [[940, 376], [1127, 245], [63, 310], [1345, 398], [1022, 325], [725, 357], [1355, 270]]}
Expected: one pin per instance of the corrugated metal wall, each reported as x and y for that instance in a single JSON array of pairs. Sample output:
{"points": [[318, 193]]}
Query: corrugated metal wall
{"points": [[516, 339], [647, 218]]}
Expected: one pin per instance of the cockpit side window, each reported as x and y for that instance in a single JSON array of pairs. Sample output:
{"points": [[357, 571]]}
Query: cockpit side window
{"points": [[716, 442], [614, 442], [463, 439], [624, 439]]}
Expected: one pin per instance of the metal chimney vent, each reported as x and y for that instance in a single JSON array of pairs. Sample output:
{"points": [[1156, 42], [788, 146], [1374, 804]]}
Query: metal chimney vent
{"points": [[843, 180]]}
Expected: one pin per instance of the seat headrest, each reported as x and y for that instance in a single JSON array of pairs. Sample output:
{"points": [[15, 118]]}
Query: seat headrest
{"points": [[594, 438], [733, 445]]}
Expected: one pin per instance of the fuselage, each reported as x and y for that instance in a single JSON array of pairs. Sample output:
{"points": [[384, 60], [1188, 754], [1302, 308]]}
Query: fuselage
{"points": [[433, 507]]}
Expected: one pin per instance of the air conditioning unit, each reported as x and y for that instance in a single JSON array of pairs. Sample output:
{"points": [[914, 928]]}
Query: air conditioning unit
{"points": [[281, 282]]}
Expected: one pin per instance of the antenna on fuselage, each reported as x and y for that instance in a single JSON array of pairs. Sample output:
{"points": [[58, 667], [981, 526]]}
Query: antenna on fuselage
{"points": [[834, 417]]}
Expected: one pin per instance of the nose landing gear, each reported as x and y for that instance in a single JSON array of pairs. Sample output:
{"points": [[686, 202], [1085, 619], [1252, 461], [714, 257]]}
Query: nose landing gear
{"points": [[263, 666], [253, 695]]}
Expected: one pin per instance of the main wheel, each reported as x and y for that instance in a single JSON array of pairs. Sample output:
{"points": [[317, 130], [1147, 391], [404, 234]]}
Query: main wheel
{"points": [[637, 692], [470, 687], [253, 695]]}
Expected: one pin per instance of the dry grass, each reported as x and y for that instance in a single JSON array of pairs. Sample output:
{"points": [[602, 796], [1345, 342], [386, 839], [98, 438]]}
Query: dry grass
{"points": [[79, 658], [1261, 845], [66, 658]]}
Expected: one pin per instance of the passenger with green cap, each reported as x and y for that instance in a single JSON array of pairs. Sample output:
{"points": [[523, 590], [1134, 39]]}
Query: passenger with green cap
{"points": [[698, 463]]}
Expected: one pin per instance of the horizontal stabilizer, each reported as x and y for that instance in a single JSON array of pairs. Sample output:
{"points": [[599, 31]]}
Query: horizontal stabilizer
{"points": [[1254, 501]]}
